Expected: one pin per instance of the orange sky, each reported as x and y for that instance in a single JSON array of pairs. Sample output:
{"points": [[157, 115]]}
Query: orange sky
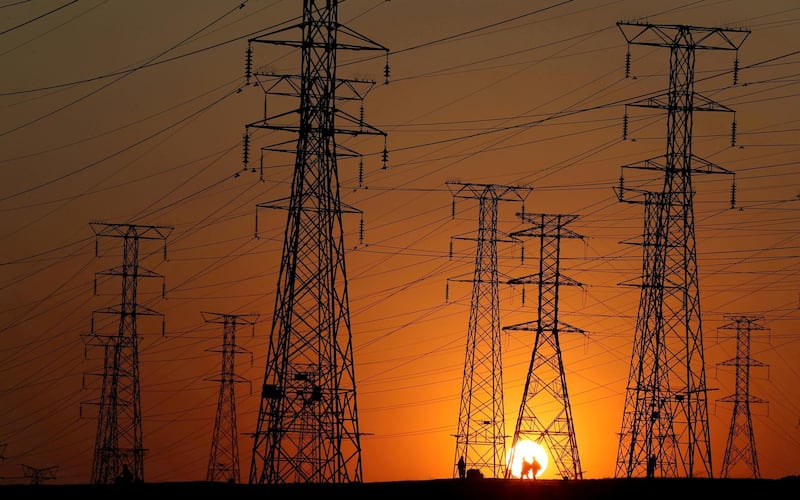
{"points": [[150, 133]]}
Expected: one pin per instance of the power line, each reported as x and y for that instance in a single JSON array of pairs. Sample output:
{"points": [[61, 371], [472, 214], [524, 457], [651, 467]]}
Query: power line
{"points": [[121, 76], [37, 17]]}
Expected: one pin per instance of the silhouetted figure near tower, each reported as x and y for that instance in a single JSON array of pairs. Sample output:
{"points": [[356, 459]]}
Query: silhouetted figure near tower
{"points": [[126, 476], [651, 466], [535, 467], [526, 469]]}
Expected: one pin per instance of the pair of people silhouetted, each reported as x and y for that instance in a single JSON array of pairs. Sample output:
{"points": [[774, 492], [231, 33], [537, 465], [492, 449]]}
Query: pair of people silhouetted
{"points": [[530, 469]]}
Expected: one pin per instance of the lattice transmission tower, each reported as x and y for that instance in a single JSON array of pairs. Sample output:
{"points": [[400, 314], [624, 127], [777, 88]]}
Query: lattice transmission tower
{"points": [[741, 446], [38, 475], [118, 444], [307, 428], [665, 420], [648, 379], [545, 413], [480, 435], [223, 461]]}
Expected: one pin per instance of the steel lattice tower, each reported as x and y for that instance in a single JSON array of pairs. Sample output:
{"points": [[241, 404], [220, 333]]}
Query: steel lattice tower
{"points": [[741, 445], [119, 426], [545, 414], [647, 417], [669, 327], [307, 429], [37, 475], [481, 437], [223, 461]]}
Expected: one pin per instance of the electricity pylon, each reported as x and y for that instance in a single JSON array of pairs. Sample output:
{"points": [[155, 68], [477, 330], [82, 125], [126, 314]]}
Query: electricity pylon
{"points": [[39, 474], [480, 436], [119, 425], [223, 461], [545, 414], [669, 327], [647, 416], [741, 445], [307, 429]]}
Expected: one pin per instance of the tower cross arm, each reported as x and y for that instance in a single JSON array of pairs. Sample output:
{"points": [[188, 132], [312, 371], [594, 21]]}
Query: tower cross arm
{"points": [[534, 325], [123, 230], [366, 43], [355, 40], [740, 398], [141, 272], [141, 310], [662, 101], [742, 362], [550, 279], [697, 166], [472, 190], [683, 36], [238, 319]]}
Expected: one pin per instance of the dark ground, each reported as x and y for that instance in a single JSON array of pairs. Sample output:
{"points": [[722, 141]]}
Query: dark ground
{"points": [[439, 489]]}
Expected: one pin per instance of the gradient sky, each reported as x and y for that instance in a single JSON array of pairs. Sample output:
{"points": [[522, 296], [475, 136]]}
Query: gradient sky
{"points": [[133, 112]]}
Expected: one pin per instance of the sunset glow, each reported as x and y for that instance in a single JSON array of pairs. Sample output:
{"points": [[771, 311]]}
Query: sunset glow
{"points": [[166, 114], [526, 451]]}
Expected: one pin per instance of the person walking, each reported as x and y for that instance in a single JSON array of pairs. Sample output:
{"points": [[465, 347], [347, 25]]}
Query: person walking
{"points": [[535, 467]]}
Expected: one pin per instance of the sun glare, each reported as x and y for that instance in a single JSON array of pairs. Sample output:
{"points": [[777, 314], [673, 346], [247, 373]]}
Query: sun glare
{"points": [[526, 451]]}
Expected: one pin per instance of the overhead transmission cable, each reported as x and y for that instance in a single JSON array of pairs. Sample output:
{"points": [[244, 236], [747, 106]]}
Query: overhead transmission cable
{"points": [[37, 17], [121, 76]]}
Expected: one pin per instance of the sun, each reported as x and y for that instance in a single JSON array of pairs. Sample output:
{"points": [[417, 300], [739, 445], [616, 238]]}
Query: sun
{"points": [[526, 451]]}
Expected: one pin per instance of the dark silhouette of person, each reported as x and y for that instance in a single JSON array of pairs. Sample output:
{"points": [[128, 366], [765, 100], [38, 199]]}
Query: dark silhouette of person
{"points": [[126, 476], [526, 469], [651, 466], [462, 468]]}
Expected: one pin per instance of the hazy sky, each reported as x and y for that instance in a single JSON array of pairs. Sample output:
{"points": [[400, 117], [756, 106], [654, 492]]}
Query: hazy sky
{"points": [[133, 112]]}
